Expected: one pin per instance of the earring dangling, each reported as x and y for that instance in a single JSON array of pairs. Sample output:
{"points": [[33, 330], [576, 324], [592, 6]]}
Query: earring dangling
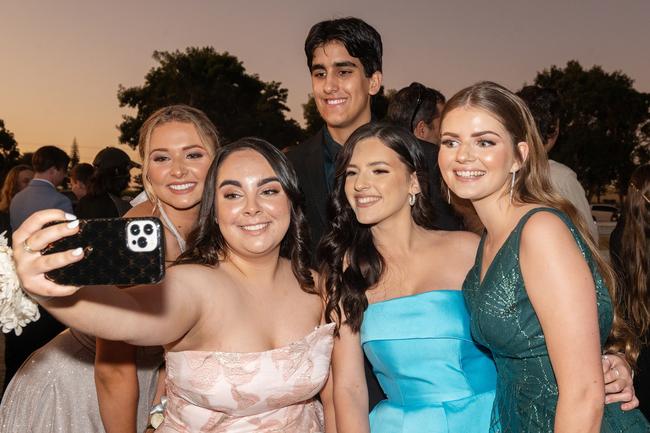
{"points": [[411, 200], [512, 185], [448, 196]]}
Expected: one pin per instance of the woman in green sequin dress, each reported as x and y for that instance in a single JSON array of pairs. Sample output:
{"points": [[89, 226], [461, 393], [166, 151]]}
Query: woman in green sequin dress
{"points": [[538, 293]]}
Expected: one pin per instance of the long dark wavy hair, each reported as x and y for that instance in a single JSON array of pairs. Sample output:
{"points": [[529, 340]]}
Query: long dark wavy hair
{"points": [[634, 262], [349, 261], [206, 244], [533, 185]]}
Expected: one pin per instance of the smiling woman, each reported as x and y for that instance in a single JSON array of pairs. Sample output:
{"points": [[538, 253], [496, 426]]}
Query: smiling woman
{"points": [[538, 292], [234, 315]]}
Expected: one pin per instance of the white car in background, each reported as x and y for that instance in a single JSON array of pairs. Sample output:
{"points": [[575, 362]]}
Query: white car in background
{"points": [[604, 212], [605, 216]]}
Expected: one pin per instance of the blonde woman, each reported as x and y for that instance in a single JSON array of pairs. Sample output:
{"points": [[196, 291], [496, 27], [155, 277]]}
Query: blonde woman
{"points": [[177, 144]]}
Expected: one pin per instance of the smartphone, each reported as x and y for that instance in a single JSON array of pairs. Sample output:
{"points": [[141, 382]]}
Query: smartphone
{"points": [[117, 251]]}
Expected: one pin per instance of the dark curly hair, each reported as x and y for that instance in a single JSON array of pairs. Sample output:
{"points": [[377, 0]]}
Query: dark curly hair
{"points": [[206, 244], [350, 263]]}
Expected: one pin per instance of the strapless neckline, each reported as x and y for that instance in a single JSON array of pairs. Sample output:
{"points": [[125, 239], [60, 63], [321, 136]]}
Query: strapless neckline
{"points": [[328, 326], [415, 295]]}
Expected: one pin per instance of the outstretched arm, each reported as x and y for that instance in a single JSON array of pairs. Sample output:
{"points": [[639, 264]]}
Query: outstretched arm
{"points": [[561, 289], [142, 315]]}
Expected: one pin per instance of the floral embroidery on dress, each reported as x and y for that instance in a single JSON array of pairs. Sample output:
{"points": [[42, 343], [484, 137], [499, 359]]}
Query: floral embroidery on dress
{"points": [[271, 391]]}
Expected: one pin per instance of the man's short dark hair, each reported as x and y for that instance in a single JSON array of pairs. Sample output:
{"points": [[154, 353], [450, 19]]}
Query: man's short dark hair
{"points": [[358, 37], [50, 156], [545, 106], [413, 104]]}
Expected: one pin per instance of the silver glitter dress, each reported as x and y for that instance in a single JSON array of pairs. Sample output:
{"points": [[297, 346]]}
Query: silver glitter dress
{"points": [[54, 390]]}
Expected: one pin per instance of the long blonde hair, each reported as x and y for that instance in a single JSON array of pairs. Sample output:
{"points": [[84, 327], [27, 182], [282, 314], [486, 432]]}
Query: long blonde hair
{"points": [[175, 113], [533, 185]]}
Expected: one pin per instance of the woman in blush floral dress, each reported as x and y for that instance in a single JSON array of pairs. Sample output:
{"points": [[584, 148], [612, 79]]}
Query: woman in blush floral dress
{"points": [[239, 316]]}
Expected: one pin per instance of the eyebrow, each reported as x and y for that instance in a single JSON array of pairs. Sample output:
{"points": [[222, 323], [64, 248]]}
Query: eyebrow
{"points": [[372, 164], [164, 149], [342, 64], [476, 134], [238, 184]]}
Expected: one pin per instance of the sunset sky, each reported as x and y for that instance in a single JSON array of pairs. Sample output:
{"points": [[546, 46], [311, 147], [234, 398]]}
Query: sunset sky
{"points": [[61, 61]]}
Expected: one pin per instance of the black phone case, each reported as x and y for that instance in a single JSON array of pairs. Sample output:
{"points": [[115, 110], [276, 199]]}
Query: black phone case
{"points": [[108, 259]]}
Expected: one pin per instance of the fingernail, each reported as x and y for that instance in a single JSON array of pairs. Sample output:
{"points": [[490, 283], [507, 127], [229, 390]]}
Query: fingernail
{"points": [[77, 251], [70, 217], [73, 224]]}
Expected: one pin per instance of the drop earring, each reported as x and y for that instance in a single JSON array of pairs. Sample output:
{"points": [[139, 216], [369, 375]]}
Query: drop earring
{"points": [[411, 200], [448, 196], [512, 185]]}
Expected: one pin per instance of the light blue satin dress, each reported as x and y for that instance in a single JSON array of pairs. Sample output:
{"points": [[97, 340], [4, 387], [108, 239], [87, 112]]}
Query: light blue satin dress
{"points": [[436, 378]]}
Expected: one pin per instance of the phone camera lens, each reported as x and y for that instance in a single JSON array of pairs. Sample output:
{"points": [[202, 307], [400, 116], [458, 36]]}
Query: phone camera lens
{"points": [[135, 230], [142, 242], [148, 229]]}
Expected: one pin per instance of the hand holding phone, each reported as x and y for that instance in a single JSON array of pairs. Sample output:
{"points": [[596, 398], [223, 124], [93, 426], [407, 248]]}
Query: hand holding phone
{"points": [[117, 251]]}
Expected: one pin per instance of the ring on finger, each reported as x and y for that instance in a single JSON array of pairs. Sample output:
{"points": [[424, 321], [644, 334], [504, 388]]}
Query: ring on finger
{"points": [[28, 249]]}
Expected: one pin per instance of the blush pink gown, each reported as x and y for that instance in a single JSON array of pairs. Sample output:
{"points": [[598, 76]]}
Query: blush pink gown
{"points": [[271, 391]]}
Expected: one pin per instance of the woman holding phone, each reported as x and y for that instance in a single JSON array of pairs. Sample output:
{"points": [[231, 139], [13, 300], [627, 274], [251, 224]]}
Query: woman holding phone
{"points": [[239, 316], [177, 144]]}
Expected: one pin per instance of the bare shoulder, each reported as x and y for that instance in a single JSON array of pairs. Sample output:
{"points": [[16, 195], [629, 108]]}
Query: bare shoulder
{"points": [[545, 229], [195, 277], [143, 209]]}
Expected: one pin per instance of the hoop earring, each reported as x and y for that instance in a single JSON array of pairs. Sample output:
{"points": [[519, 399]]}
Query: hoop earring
{"points": [[411, 200], [512, 185]]}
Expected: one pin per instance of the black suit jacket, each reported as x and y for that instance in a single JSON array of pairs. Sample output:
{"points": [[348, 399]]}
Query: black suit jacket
{"points": [[309, 163]]}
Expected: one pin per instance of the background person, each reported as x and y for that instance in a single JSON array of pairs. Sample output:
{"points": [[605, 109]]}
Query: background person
{"points": [[50, 168], [16, 180], [110, 178], [630, 257], [80, 176]]}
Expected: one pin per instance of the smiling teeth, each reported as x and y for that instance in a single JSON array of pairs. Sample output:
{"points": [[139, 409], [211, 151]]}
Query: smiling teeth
{"points": [[366, 200], [335, 101], [255, 227], [470, 173], [181, 187]]}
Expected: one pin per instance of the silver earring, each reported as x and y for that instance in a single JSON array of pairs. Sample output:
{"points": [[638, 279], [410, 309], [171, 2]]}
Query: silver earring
{"points": [[448, 196], [411, 200], [512, 185]]}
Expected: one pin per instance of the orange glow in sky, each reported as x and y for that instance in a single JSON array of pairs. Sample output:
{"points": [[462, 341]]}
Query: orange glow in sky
{"points": [[62, 62]]}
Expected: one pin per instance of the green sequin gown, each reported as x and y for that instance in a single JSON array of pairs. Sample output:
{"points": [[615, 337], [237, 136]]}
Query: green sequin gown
{"points": [[503, 320]]}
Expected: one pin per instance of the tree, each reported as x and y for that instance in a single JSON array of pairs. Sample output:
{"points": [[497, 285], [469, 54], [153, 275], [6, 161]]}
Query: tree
{"points": [[74, 153], [239, 104], [9, 153], [603, 124], [313, 121]]}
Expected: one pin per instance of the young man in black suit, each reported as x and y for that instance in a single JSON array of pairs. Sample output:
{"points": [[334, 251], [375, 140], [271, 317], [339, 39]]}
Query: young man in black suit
{"points": [[344, 57]]}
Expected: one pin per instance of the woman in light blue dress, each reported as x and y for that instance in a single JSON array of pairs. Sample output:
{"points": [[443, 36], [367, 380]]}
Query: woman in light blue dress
{"points": [[383, 255]]}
